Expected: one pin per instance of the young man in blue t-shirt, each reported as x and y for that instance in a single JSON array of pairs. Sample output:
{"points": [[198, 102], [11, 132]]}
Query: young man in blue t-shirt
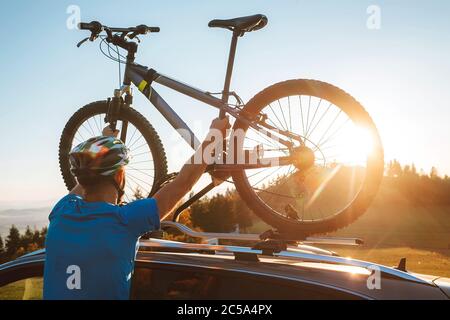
{"points": [[92, 241]]}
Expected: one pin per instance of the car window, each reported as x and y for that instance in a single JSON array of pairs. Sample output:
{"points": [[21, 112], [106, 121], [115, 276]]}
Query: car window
{"points": [[25, 289], [157, 282]]}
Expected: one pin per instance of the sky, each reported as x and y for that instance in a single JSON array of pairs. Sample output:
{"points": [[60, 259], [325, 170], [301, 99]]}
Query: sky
{"points": [[399, 72]]}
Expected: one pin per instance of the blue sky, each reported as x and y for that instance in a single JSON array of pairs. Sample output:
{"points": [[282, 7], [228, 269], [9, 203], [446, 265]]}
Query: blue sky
{"points": [[399, 73]]}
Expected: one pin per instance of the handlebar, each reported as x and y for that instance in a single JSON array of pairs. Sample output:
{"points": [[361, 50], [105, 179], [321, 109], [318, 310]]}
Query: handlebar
{"points": [[97, 27]]}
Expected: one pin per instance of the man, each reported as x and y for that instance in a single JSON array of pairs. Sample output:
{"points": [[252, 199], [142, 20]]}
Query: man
{"points": [[92, 241]]}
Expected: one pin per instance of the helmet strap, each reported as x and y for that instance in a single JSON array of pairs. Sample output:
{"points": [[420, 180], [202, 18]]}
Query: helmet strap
{"points": [[120, 191]]}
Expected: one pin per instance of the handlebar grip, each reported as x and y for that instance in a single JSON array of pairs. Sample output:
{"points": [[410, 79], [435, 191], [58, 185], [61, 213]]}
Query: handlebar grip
{"points": [[93, 26], [84, 26], [154, 29]]}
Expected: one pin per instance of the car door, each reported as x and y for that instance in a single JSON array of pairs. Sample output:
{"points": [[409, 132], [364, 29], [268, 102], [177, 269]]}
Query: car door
{"points": [[166, 281]]}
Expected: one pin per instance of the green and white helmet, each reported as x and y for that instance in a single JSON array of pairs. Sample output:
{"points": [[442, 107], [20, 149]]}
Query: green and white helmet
{"points": [[98, 156]]}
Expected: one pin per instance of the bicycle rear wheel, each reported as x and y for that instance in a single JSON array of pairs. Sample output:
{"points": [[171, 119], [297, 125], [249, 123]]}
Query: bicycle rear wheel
{"points": [[336, 164], [148, 165]]}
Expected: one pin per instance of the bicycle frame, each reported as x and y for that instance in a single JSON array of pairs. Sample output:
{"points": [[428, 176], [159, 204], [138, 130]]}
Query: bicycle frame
{"points": [[143, 77]]}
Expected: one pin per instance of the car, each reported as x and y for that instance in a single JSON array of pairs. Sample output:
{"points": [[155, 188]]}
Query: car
{"points": [[177, 270]]}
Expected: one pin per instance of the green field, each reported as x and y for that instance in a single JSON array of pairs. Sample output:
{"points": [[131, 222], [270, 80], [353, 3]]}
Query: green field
{"points": [[29, 289], [417, 260]]}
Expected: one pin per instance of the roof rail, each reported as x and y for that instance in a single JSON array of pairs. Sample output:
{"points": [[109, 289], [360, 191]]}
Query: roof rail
{"points": [[294, 254], [214, 237]]}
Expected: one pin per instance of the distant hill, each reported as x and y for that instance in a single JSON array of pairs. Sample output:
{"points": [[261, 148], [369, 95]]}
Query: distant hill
{"points": [[35, 217]]}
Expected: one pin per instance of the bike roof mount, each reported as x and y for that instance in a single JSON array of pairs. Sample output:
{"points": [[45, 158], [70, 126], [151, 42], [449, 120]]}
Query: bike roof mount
{"points": [[270, 237]]}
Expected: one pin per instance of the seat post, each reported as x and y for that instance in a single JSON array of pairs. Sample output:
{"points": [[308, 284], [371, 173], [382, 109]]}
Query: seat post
{"points": [[226, 87]]}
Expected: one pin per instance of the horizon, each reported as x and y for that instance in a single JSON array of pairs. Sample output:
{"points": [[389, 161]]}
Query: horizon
{"points": [[398, 72]]}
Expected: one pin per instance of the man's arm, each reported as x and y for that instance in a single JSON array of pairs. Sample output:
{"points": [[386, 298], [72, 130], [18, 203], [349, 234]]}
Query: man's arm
{"points": [[170, 194]]}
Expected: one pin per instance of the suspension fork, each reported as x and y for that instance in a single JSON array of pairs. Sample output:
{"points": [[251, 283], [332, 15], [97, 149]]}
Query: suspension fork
{"points": [[115, 105]]}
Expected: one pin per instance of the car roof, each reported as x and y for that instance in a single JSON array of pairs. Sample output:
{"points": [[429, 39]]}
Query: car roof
{"points": [[294, 256], [304, 264]]}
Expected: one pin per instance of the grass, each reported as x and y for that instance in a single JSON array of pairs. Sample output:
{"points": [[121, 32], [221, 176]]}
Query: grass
{"points": [[28, 289], [394, 231], [417, 260]]}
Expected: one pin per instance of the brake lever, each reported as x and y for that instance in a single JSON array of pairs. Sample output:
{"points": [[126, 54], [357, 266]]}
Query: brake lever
{"points": [[82, 41]]}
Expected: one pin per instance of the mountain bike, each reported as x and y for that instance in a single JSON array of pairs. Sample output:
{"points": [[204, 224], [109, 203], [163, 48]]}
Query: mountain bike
{"points": [[329, 156]]}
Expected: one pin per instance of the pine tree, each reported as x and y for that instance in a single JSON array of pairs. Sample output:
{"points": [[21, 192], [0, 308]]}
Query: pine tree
{"points": [[43, 234], [434, 173], [2, 247], [12, 241], [27, 238]]}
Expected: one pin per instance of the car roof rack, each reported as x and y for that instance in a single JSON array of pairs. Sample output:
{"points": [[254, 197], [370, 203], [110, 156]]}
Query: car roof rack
{"points": [[251, 254], [215, 237]]}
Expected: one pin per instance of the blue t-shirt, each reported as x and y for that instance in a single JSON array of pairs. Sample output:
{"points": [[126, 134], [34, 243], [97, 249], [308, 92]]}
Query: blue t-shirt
{"points": [[91, 247]]}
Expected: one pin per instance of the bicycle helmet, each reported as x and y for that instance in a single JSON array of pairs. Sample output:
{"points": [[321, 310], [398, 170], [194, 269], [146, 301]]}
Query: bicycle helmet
{"points": [[98, 156]]}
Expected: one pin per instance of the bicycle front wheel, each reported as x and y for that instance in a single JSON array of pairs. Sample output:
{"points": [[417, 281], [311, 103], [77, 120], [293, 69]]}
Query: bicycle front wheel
{"points": [[147, 168], [334, 167]]}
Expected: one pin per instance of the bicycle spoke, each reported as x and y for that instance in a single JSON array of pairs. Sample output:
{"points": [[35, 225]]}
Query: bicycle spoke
{"points": [[89, 123], [320, 119], [138, 179], [290, 118], [132, 136], [329, 127], [282, 113], [140, 171], [96, 125], [139, 147], [301, 113], [312, 120], [307, 117], [141, 161], [129, 147], [267, 176], [281, 124], [334, 134], [140, 154]]}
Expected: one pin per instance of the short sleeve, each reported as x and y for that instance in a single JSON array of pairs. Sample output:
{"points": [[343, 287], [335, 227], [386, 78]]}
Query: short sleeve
{"points": [[142, 216], [61, 203]]}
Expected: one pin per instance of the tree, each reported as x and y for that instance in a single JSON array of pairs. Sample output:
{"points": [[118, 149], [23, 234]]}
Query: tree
{"points": [[394, 169], [2, 247], [413, 169], [138, 194], [12, 241], [27, 238], [36, 236], [214, 214], [43, 234], [244, 216], [434, 173]]}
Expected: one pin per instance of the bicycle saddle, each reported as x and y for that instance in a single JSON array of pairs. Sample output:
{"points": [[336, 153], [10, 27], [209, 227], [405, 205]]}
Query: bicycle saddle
{"points": [[242, 24]]}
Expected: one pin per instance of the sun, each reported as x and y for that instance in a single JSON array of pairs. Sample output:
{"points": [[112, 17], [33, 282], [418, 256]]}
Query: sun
{"points": [[354, 146]]}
